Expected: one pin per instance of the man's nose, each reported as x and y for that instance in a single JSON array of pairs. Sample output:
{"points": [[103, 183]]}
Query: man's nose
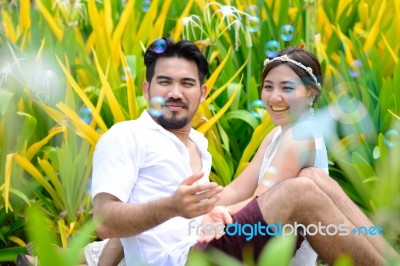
{"points": [[175, 91]]}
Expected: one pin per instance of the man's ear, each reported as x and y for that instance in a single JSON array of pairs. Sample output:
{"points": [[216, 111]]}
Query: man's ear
{"points": [[145, 88], [203, 92]]}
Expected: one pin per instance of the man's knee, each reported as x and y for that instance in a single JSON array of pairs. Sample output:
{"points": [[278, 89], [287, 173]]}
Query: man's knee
{"points": [[291, 195], [302, 187], [291, 201]]}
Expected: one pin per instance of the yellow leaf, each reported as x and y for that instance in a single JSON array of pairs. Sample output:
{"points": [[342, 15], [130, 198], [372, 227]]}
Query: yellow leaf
{"points": [[7, 182], [63, 235], [108, 17], [17, 241], [212, 79], [8, 27], [51, 174], [25, 15], [258, 135], [85, 99], [31, 169], [210, 99], [90, 42], [206, 126], [58, 32], [130, 84], [161, 18], [347, 45], [241, 167], [375, 30], [103, 41], [112, 101], [83, 129], [39, 53], [54, 114], [34, 148], [121, 26], [177, 31], [392, 53]]}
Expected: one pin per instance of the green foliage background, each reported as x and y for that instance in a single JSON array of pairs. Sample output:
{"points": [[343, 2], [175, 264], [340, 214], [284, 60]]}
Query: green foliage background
{"points": [[65, 61]]}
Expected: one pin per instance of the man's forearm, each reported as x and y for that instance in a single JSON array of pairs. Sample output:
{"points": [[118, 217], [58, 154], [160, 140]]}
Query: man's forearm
{"points": [[119, 219]]}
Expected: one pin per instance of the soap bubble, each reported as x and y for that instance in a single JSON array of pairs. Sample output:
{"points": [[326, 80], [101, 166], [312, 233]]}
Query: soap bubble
{"points": [[392, 138], [145, 5], [157, 106], [355, 68], [257, 109], [159, 46], [272, 48], [287, 32], [252, 24], [86, 115]]}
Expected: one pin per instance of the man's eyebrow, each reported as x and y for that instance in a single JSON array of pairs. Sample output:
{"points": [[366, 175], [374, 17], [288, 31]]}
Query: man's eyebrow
{"points": [[163, 77], [189, 79], [160, 77]]}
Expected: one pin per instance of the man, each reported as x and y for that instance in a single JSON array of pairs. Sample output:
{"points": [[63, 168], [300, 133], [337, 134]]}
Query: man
{"points": [[150, 180], [150, 175]]}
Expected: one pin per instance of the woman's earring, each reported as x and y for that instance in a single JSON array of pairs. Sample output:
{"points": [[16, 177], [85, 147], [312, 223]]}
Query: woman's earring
{"points": [[311, 108]]}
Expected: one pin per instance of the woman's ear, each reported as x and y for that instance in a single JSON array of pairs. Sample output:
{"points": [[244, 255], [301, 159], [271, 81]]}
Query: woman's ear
{"points": [[312, 96]]}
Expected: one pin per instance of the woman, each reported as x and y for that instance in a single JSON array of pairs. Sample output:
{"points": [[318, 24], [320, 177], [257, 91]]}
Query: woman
{"points": [[291, 82]]}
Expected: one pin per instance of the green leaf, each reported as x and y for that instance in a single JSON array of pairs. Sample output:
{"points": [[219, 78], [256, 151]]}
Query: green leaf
{"points": [[278, 251], [5, 100]]}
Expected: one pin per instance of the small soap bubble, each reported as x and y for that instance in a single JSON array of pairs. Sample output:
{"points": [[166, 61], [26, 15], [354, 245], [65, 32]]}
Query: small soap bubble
{"points": [[287, 32], [252, 10], [195, 19], [272, 48], [347, 103], [123, 71], [392, 138], [157, 106], [159, 46], [145, 5], [355, 68], [257, 109], [252, 24], [270, 171], [269, 175], [86, 115]]}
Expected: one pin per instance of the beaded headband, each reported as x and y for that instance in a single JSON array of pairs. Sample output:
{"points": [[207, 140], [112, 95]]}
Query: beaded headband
{"points": [[285, 58]]}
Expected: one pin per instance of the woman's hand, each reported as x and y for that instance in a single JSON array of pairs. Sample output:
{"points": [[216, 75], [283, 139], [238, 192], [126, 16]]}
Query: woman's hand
{"points": [[213, 224]]}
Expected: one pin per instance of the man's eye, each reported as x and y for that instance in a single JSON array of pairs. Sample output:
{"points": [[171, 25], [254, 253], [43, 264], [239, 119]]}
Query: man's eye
{"points": [[188, 85], [164, 82]]}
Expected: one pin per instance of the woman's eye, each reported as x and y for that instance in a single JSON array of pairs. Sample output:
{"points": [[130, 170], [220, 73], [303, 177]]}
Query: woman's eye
{"points": [[288, 88], [267, 87]]}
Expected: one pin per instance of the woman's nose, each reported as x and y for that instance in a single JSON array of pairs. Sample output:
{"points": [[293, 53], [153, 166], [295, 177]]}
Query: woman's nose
{"points": [[276, 96]]}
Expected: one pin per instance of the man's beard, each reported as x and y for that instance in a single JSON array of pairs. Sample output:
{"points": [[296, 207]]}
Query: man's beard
{"points": [[173, 122]]}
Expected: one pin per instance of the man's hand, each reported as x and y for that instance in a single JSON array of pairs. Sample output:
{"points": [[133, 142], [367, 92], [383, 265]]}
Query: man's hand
{"points": [[213, 224], [192, 200]]}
